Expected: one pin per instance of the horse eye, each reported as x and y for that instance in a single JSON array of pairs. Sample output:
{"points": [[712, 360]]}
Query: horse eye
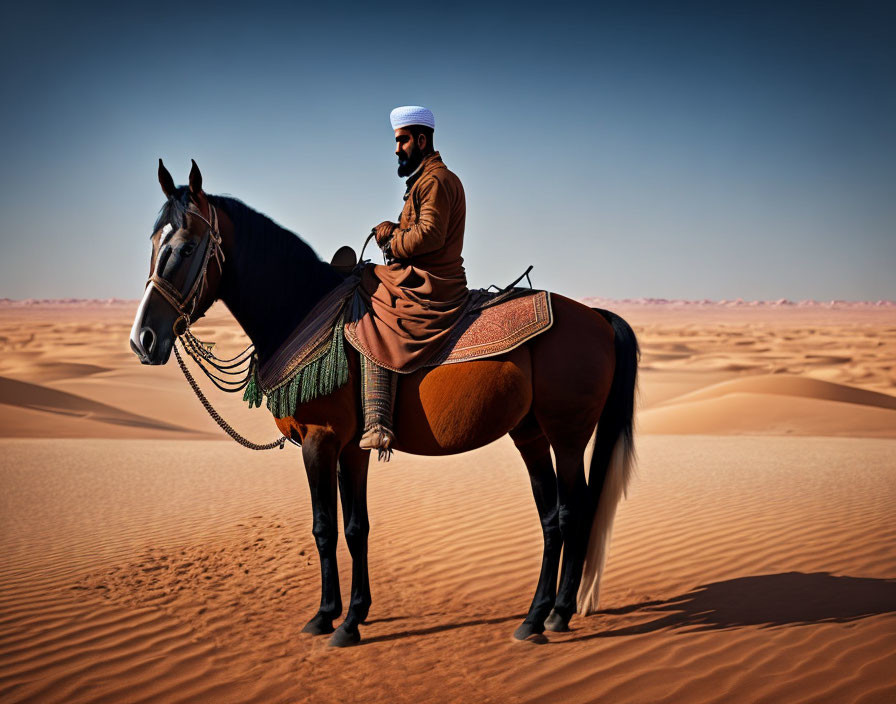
{"points": [[187, 249]]}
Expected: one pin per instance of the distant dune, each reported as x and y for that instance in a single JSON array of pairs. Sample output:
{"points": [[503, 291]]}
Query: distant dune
{"points": [[735, 303], [705, 368], [775, 405], [592, 301], [41, 411], [790, 386]]}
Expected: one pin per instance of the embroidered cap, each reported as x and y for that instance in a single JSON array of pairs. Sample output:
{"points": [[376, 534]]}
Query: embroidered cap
{"points": [[412, 115]]}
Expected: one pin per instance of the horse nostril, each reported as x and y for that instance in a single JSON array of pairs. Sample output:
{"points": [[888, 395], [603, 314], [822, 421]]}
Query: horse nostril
{"points": [[147, 339]]}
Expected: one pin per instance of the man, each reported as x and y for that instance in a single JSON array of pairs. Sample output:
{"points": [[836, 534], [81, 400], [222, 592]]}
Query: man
{"points": [[415, 299]]}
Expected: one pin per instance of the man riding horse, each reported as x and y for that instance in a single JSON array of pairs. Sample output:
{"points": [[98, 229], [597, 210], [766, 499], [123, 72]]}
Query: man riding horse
{"points": [[567, 378], [419, 294]]}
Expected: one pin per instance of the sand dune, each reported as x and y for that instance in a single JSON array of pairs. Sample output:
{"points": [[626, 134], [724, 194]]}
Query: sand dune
{"points": [[82, 350], [86, 382], [769, 414], [143, 561], [66, 407], [792, 386], [775, 405], [851, 347]]}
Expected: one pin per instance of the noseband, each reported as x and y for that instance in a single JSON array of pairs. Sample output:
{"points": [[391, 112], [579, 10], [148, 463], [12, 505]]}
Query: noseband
{"points": [[185, 301]]}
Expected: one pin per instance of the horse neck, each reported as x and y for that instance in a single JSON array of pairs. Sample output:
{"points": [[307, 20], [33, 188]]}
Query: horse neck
{"points": [[272, 279]]}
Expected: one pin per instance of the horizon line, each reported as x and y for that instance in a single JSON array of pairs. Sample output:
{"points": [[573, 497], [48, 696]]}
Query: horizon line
{"points": [[644, 301]]}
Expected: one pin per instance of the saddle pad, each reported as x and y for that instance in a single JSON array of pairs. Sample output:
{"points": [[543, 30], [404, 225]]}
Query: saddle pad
{"points": [[310, 340], [492, 329], [488, 328]]}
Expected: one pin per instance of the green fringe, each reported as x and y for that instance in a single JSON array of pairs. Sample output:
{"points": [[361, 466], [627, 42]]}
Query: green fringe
{"points": [[318, 378], [253, 393]]}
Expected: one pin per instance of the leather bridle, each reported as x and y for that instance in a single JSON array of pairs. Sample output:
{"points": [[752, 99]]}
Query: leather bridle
{"points": [[185, 301]]}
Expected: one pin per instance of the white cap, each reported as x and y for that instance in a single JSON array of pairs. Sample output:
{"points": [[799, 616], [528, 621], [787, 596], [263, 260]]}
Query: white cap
{"points": [[412, 115]]}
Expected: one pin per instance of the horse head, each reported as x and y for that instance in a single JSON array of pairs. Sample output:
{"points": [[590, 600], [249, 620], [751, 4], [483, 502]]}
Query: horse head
{"points": [[186, 267]]}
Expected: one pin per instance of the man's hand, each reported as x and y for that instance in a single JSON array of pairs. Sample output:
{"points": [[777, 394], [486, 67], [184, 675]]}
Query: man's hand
{"points": [[388, 254], [384, 231]]}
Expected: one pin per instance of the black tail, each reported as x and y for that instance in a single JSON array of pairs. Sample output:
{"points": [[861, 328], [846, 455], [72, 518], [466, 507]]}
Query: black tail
{"points": [[617, 417], [612, 461]]}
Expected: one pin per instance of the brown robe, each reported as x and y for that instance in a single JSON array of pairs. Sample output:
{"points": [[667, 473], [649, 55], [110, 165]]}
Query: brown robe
{"points": [[413, 302]]}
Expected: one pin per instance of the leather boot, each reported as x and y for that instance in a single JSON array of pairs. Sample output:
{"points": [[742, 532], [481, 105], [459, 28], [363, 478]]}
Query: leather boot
{"points": [[378, 386]]}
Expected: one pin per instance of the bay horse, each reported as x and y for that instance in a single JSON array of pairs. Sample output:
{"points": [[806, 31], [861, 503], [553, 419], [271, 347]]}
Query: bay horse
{"points": [[572, 383]]}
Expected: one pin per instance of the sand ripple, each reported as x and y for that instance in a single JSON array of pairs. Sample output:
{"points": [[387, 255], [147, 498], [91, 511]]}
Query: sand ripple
{"points": [[740, 571], [746, 566]]}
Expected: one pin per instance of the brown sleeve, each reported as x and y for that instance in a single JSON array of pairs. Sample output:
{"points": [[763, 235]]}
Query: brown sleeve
{"points": [[428, 233]]}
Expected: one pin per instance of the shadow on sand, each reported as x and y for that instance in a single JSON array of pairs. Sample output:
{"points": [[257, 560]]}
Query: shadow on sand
{"points": [[436, 629], [786, 599]]}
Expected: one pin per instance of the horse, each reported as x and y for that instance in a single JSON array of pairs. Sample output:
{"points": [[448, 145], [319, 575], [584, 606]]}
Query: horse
{"points": [[568, 387]]}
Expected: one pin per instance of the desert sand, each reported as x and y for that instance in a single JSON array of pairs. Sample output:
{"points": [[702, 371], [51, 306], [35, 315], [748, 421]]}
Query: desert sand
{"points": [[146, 557]]}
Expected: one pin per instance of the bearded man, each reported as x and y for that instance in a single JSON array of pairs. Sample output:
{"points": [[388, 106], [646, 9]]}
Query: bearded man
{"points": [[415, 299]]}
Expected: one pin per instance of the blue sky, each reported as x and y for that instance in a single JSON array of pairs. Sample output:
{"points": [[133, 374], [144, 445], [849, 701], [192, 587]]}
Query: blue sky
{"points": [[680, 150]]}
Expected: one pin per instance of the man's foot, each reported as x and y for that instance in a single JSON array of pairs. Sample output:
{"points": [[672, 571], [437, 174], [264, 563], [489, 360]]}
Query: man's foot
{"points": [[378, 438]]}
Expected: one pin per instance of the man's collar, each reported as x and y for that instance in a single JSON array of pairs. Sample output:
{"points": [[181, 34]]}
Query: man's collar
{"points": [[418, 172]]}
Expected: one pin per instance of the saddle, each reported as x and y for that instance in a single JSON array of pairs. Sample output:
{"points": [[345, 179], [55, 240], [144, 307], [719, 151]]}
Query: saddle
{"points": [[311, 362], [493, 323]]}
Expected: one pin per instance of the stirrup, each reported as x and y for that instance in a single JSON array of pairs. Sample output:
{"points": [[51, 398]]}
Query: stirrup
{"points": [[380, 438]]}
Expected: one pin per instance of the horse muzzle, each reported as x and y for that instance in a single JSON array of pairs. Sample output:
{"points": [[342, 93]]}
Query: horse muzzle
{"points": [[147, 342], [149, 349]]}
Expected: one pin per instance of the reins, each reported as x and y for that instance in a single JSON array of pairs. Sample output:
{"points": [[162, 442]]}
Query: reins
{"points": [[242, 366], [224, 425]]}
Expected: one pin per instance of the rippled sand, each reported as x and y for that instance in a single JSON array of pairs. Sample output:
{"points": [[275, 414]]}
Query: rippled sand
{"points": [[146, 560]]}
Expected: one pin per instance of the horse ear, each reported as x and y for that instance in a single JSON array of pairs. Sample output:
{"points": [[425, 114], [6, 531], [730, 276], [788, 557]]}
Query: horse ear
{"points": [[165, 181], [195, 180]]}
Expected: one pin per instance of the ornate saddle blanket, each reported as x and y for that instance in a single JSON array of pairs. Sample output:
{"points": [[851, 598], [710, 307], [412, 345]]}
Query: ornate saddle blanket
{"points": [[311, 362], [493, 324]]}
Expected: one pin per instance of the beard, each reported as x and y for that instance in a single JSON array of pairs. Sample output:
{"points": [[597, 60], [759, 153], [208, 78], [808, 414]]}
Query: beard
{"points": [[408, 164]]}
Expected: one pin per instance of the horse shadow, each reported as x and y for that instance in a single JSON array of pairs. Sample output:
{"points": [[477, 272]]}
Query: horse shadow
{"points": [[441, 628], [765, 601]]}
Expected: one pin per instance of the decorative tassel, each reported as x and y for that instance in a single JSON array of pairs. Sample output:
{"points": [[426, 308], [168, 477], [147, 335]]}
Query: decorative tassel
{"points": [[253, 393], [313, 380]]}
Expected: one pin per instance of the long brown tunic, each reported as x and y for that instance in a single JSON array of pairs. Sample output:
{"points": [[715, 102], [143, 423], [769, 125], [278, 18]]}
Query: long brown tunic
{"points": [[414, 302]]}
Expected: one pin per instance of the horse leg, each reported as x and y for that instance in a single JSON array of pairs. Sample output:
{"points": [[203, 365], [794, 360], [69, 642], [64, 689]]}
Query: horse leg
{"points": [[575, 523], [536, 452], [353, 464], [319, 452]]}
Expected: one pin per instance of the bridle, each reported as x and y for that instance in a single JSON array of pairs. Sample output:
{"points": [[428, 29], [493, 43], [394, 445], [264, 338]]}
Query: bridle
{"points": [[185, 301]]}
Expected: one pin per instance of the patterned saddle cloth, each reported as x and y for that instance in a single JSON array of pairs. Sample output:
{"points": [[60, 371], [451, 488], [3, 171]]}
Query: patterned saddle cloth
{"points": [[311, 362], [494, 323]]}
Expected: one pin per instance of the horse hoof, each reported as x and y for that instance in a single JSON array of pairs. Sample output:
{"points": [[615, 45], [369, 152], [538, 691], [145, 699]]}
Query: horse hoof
{"points": [[527, 632], [556, 623], [318, 626], [344, 638]]}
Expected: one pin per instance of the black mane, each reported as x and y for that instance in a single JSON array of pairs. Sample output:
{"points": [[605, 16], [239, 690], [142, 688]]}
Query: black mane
{"points": [[272, 278]]}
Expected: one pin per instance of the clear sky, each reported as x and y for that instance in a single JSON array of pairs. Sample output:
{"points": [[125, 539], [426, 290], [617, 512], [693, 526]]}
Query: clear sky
{"points": [[679, 150]]}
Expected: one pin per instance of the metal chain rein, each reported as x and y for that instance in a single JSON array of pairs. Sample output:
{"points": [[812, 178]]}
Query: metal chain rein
{"points": [[224, 425], [187, 339], [227, 385]]}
